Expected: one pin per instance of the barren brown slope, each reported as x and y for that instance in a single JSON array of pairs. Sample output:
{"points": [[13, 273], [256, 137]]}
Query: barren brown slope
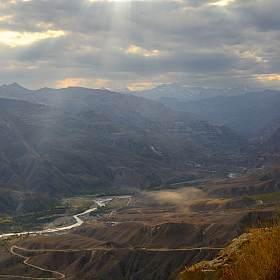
{"points": [[89, 254], [258, 181]]}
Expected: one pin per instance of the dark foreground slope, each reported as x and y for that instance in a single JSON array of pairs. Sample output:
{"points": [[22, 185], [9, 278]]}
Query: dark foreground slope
{"points": [[253, 255]]}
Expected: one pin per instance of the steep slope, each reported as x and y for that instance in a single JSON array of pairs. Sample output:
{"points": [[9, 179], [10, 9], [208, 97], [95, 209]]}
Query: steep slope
{"points": [[246, 113], [172, 143], [185, 133], [262, 152], [54, 163], [219, 139], [17, 201], [259, 153], [253, 255], [271, 127]]}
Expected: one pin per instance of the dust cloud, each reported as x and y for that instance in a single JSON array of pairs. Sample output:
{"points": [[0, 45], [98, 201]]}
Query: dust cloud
{"points": [[176, 196]]}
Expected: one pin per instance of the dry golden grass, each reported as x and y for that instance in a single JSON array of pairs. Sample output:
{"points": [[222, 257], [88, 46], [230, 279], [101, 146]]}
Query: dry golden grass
{"points": [[259, 259], [256, 256], [199, 275]]}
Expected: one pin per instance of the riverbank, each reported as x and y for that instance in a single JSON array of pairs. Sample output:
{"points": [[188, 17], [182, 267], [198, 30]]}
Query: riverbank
{"points": [[64, 224]]}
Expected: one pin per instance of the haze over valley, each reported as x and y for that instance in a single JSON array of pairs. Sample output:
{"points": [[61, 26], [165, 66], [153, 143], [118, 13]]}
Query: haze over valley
{"points": [[139, 139], [176, 181]]}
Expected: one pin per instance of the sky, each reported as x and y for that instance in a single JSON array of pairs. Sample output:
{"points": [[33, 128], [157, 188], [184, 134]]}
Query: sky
{"points": [[139, 44]]}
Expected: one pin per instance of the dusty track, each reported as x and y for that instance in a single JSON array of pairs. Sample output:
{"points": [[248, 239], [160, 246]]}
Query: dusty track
{"points": [[25, 277], [61, 275], [108, 249]]}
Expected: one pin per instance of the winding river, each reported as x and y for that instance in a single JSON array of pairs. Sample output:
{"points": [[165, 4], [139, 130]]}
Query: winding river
{"points": [[101, 201]]}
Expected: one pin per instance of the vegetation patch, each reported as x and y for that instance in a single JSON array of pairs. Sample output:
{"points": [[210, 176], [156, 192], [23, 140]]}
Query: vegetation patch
{"points": [[30, 222], [3, 241], [268, 197]]}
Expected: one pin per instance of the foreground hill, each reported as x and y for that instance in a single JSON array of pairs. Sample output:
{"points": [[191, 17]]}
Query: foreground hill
{"points": [[253, 255]]}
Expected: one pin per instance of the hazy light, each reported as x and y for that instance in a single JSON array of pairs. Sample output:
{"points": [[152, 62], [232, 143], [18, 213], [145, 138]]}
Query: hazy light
{"points": [[13, 38], [267, 78], [5, 18], [248, 54], [72, 82], [221, 3], [134, 0], [138, 50], [142, 86]]}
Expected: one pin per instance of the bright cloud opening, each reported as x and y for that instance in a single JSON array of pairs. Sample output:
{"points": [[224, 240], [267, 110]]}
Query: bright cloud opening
{"points": [[72, 82], [14, 39], [142, 86], [269, 78], [221, 3], [132, 0], [138, 50], [248, 54]]}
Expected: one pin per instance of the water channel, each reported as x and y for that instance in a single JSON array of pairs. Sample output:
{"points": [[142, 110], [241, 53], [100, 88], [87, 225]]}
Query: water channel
{"points": [[101, 201]]}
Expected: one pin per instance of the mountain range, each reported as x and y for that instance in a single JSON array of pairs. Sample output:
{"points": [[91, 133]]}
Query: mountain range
{"points": [[197, 179], [248, 114], [177, 92], [48, 153], [246, 110], [56, 143]]}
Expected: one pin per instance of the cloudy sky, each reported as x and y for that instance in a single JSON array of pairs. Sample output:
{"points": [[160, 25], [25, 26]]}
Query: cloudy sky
{"points": [[139, 44]]}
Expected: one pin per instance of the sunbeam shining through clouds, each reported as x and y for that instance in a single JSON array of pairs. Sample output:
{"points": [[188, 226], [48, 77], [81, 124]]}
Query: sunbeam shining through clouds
{"points": [[139, 44]]}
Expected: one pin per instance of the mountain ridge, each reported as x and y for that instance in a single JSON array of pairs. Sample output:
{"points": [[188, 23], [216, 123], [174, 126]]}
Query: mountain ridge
{"points": [[180, 93], [246, 114]]}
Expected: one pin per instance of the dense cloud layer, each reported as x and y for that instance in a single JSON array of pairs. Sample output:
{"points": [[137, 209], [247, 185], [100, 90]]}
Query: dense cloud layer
{"points": [[57, 43]]}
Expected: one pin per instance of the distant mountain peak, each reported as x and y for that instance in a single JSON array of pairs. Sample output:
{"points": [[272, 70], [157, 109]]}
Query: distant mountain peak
{"points": [[120, 89], [16, 85]]}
